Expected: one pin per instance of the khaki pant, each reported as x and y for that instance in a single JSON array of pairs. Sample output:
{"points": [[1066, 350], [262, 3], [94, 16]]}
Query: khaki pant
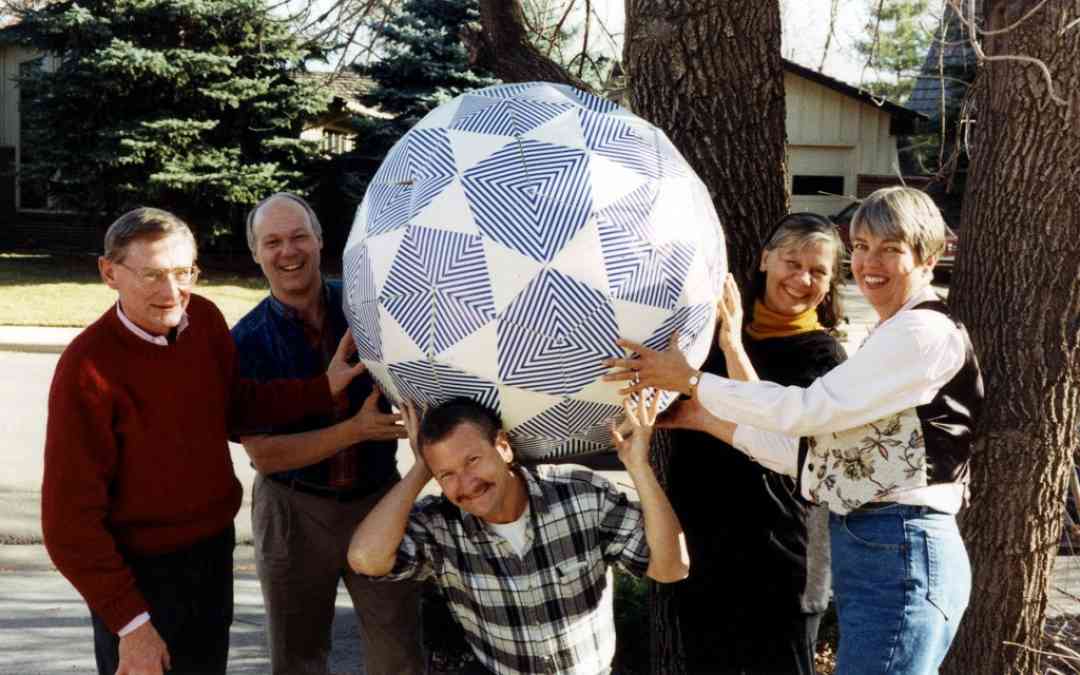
{"points": [[301, 542]]}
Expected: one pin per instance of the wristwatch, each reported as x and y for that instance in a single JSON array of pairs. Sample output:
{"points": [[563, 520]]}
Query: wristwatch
{"points": [[693, 382]]}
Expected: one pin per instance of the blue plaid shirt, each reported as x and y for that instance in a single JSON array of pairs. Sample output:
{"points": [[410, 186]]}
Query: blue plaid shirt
{"points": [[271, 344]]}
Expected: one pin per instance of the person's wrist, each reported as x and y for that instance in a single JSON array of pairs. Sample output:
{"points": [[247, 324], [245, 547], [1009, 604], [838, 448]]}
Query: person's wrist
{"points": [[637, 463], [692, 380]]}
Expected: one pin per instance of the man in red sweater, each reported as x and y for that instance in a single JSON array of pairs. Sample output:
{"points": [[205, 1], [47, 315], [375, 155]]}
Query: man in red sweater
{"points": [[139, 494]]}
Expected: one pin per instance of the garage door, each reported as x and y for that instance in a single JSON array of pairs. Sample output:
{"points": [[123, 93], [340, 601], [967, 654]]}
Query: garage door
{"points": [[816, 170]]}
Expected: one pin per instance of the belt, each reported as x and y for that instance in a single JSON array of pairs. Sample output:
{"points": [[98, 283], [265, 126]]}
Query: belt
{"points": [[303, 487], [870, 507], [873, 507]]}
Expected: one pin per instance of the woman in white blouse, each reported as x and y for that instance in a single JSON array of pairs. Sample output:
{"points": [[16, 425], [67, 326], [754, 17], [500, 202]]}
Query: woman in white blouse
{"points": [[883, 440]]}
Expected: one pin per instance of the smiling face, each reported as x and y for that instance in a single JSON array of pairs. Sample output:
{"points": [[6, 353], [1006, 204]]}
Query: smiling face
{"points": [[475, 474], [887, 271], [287, 249], [155, 307], [797, 278]]}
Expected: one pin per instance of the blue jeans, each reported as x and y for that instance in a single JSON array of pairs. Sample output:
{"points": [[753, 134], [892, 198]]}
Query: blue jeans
{"points": [[901, 580]]}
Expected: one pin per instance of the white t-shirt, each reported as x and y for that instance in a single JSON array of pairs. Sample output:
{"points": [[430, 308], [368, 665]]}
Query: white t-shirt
{"points": [[514, 532]]}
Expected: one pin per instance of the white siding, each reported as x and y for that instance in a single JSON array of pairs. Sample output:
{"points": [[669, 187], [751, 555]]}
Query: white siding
{"points": [[11, 57], [830, 133]]}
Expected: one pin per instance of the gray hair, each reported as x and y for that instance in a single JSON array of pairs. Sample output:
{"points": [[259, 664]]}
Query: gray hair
{"points": [[903, 214], [797, 231], [143, 223], [313, 219]]}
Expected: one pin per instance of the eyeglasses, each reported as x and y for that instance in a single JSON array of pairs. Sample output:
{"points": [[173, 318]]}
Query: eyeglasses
{"points": [[151, 276]]}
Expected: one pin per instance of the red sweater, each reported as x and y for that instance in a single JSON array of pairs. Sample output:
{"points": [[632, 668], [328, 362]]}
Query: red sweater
{"points": [[136, 454]]}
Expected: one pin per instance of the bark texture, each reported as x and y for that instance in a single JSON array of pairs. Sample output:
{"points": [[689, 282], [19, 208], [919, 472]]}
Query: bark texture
{"points": [[710, 75], [1017, 288], [503, 47]]}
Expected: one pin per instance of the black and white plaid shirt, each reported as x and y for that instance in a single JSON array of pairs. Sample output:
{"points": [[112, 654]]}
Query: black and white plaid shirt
{"points": [[549, 611]]}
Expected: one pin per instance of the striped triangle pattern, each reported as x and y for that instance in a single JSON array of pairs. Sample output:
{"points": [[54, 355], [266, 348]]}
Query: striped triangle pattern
{"points": [[509, 239]]}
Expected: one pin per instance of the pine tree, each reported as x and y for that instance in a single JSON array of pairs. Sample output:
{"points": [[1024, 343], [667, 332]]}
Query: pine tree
{"points": [[896, 44], [425, 63], [189, 105]]}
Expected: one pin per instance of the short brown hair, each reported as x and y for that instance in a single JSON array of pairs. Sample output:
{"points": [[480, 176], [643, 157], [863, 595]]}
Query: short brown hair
{"points": [[142, 223], [903, 214]]}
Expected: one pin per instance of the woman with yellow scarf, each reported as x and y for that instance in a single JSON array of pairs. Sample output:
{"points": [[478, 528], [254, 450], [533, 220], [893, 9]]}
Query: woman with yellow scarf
{"points": [[759, 578]]}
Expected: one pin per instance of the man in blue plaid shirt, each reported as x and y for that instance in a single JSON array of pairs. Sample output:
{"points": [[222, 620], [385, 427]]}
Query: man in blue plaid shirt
{"points": [[523, 555]]}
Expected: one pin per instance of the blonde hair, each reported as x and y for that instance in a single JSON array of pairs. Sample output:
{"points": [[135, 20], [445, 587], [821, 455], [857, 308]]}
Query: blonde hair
{"points": [[903, 214]]}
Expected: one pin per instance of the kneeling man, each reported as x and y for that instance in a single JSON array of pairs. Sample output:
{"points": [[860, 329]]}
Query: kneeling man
{"points": [[523, 555]]}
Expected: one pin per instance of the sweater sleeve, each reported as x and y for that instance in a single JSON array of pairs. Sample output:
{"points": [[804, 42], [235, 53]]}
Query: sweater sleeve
{"points": [[80, 464]]}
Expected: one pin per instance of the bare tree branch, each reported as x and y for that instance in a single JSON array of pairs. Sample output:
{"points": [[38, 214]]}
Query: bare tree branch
{"points": [[585, 40], [1019, 21], [834, 10], [503, 47], [554, 39], [974, 31]]}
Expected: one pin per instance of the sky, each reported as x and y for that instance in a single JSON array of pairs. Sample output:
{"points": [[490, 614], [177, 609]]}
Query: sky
{"points": [[805, 26]]}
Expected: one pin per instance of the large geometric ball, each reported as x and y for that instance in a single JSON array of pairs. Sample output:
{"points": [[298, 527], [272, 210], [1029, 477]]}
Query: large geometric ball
{"points": [[509, 239]]}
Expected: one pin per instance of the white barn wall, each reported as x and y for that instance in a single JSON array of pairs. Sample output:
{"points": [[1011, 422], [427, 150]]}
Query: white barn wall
{"points": [[826, 128]]}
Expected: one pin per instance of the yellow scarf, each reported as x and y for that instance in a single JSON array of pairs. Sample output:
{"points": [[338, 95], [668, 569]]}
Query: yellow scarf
{"points": [[770, 324]]}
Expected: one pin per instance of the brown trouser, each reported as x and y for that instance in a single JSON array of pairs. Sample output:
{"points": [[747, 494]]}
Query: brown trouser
{"points": [[301, 542]]}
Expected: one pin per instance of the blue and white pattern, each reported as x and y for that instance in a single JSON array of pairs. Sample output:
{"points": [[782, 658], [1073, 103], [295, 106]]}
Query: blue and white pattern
{"points": [[509, 239]]}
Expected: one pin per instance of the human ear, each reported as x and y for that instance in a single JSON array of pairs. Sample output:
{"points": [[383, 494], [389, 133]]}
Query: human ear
{"points": [[502, 445], [107, 271]]}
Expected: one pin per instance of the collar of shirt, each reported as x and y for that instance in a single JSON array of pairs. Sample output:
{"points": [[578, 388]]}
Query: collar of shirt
{"points": [[153, 339], [288, 312], [926, 294]]}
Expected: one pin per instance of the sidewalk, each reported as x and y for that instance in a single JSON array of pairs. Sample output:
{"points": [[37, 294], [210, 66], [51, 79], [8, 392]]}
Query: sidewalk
{"points": [[45, 627], [36, 339]]}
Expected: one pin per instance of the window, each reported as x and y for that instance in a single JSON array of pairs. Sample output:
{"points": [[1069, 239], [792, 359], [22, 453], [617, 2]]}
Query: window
{"points": [[814, 186], [336, 142]]}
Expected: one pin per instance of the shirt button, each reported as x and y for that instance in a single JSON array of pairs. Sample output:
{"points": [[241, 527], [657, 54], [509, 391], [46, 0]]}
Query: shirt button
{"points": [[810, 466]]}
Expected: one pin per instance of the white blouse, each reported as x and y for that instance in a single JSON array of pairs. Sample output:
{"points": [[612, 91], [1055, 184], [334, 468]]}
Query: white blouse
{"points": [[902, 364]]}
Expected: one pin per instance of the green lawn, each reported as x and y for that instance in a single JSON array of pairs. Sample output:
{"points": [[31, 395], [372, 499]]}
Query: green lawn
{"points": [[46, 289]]}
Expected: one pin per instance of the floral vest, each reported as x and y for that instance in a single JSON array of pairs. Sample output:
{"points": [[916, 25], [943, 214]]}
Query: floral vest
{"points": [[914, 448]]}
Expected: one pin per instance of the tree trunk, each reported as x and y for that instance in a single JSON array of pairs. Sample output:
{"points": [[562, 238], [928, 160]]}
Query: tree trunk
{"points": [[1017, 288], [503, 47], [710, 75]]}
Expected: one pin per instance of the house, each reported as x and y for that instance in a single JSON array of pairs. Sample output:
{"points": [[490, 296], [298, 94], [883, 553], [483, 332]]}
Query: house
{"points": [[333, 129], [15, 61], [841, 140]]}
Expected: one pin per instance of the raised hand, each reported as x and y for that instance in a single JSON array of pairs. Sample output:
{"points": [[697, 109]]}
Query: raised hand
{"points": [[372, 424], [340, 372], [410, 417], [729, 316], [634, 449], [668, 369]]}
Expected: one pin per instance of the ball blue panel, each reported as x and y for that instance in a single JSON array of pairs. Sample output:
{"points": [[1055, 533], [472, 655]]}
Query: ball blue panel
{"points": [[532, 197], [510, 238]]}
